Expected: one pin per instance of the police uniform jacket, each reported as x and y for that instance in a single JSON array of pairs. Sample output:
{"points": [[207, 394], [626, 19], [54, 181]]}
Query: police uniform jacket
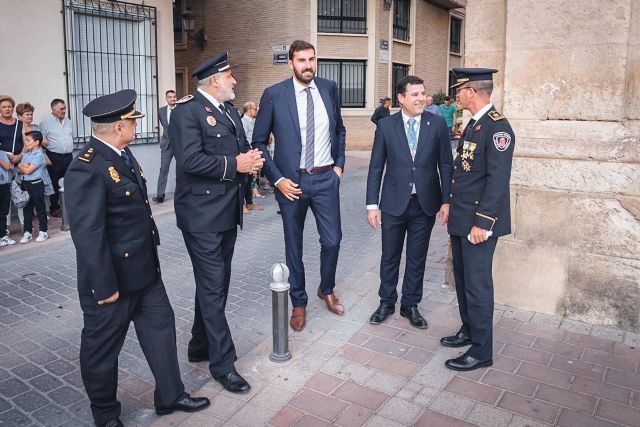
{"points": [[111, 222], [482, 169], [205, 142]]}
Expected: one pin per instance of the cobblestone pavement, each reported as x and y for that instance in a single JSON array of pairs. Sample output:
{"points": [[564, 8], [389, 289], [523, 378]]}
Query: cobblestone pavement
{"points": [[547, 370]]}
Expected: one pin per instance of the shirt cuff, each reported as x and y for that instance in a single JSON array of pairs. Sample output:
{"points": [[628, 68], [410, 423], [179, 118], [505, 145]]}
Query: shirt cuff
{"points": [[372, 207], [275, 184]]}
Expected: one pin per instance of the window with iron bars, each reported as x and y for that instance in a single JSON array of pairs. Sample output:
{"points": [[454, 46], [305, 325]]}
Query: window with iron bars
{"points": [[110, 46], [398, 71], [342, 16], [401, 20], [350, 75]]}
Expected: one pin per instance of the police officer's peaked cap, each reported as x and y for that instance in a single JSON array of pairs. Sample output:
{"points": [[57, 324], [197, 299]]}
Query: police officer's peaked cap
{"points": [[220, 62], [114, 107], [464, 75]]}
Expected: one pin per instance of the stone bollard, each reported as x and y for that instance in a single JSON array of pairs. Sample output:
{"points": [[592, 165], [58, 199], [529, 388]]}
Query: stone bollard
{"points": [[63, 208], [280, 310]]}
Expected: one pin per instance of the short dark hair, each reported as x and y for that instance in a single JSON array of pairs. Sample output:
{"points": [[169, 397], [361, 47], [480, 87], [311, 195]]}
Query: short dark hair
{"points": [[447, 98], [23, 108], [56, 102], [35, 134], [169, 91], [401, 87], [299, 45]]}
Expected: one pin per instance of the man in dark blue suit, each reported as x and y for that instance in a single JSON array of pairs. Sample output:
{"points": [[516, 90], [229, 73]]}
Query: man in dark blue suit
{"points": [[303, 113], [414, 146]]}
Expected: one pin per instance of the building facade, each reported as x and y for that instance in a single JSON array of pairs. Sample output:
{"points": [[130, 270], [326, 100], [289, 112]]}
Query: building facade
{"points": [[77, 50], [364, 45], [570, 86]]}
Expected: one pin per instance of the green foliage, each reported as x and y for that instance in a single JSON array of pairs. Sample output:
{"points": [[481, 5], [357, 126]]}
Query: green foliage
{"points": [[438, 97]]}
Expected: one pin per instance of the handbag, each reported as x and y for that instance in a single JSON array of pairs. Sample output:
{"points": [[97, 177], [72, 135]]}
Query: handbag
{"points": [[19, 197]]}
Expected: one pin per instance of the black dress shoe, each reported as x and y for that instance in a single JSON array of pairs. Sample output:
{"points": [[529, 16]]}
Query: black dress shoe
{"points": [[113, 422], [381, 313], [457, 340], [414, 316], [195, 358], [233, 382], [158, 199], [467, 363], [186, 404]]}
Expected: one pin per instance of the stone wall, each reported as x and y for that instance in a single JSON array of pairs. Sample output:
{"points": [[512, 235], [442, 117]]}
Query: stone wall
{"points": [[569, 82]]}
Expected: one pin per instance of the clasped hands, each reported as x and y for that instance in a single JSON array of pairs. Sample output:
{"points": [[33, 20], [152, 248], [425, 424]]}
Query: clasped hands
{"points": [[249, 162]]}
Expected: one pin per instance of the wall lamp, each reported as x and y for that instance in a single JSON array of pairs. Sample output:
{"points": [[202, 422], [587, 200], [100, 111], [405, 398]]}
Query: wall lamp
{"points": [[189, 23]]}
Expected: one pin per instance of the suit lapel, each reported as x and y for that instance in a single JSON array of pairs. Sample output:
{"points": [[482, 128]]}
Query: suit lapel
{"points": [[211, 109], [293, 107], [163, 116], [402, 135], [114, 158], [423, 137]]}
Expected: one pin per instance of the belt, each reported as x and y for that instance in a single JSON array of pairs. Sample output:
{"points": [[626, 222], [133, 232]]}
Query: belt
{"points": [[317, 170]]}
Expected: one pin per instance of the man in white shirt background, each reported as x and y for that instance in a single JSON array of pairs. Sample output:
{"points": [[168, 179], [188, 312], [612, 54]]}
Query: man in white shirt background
{"points": [[166, 153]]}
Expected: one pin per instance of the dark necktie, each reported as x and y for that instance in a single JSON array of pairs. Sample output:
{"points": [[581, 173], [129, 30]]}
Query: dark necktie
{"points": [[311, 131], [126, 159], [226, 114]]}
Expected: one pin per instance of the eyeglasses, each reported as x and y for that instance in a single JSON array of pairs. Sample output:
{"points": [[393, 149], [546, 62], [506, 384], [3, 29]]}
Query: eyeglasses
{"points": [[463, 88]]}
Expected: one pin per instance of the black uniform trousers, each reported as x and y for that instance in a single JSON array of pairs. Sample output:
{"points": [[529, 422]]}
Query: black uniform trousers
{"points": [[321, 193], [472, 266], [105, 328], [417, 226], [211, 255], [59, 165]]}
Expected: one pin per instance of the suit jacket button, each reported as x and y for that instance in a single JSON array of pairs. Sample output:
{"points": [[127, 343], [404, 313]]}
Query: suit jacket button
{"points": [[413, 168], [126, 254], [453, 181], [128, 193], [476, 202], [146, 201], [208, 192], [151, 215], [455, 167], [450, 195], [153, 232]]}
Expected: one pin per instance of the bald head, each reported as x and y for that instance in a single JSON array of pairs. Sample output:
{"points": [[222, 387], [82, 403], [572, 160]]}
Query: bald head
{"points": [[250, 109]]}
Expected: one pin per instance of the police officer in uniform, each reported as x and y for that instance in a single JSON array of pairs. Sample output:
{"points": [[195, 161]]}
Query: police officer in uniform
{"points": [[119, 278], [479, 214], [212, 158]]}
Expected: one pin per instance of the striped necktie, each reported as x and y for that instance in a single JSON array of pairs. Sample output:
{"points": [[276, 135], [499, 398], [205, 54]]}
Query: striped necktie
{"points": [[311, 130]]}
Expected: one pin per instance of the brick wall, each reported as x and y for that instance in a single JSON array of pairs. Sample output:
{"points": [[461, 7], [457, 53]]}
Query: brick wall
{"points": [[432, 50]]}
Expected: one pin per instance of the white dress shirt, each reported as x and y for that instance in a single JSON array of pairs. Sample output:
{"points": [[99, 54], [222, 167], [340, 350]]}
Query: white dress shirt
{"points": [[482, 112], [405, 121], [322, 141], [113, 147], [59, 134]]}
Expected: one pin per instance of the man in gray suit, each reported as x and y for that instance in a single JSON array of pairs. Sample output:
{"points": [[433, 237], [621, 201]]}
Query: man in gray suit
{"points": [[166, 153]]}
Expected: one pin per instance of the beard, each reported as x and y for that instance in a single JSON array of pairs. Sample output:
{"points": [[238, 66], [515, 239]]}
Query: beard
{"points": [[300, 75]]}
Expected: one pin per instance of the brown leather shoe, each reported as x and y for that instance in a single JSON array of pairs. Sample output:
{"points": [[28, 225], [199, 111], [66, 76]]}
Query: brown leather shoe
{"points": [[333, 303], [298, 318], [254, 207]]}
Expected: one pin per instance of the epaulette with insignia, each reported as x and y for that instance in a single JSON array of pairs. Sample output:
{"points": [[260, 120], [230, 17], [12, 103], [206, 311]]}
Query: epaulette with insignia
{"points": [[495, 116], [184, 99], [86, 155]]}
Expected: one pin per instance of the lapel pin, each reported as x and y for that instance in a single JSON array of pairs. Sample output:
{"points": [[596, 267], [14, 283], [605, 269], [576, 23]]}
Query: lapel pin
{"points": [[207, 109], [114, 174], [477, 128]]}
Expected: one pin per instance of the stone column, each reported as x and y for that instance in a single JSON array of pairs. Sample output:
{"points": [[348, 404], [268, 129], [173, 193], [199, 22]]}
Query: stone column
{"points": [[569, 83]]}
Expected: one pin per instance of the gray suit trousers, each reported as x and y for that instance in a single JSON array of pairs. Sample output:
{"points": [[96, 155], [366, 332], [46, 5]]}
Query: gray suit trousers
{"points": [[166, 154]]}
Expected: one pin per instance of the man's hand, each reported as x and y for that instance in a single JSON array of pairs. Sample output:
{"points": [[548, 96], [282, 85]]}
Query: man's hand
{"points": [[444, 214], [249, 162], [113, 298], [478, 235], [338, 171], [374, 218], [289, 189]]}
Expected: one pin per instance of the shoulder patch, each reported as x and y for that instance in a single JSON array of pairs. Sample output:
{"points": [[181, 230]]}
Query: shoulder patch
{"points": [[501, 140], [86, 155], [495, 116], [184, 99]]}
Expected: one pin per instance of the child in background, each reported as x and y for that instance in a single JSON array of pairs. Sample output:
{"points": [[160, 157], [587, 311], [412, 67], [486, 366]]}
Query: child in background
{"points": [[31, 167], [5, 197]]}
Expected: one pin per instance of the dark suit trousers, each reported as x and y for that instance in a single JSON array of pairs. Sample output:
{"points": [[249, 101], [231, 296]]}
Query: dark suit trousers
{"points": [[166, 154], [417, 226], [472, 266], [59, 165], [321, 193], [211, 255], [105, 328]]}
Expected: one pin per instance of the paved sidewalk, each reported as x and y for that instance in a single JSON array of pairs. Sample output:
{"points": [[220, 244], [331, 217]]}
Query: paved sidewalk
{"points": [[547, 370]]}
